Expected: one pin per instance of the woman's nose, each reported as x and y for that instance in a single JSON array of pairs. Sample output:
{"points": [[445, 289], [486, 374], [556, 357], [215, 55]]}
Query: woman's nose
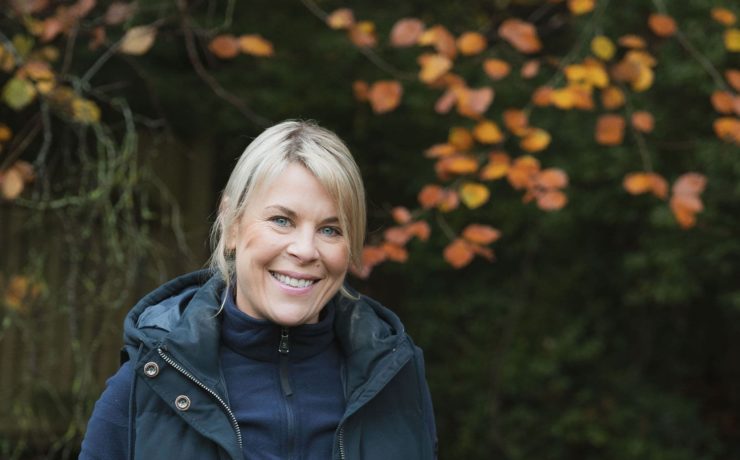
{"points": [[303, 246]]}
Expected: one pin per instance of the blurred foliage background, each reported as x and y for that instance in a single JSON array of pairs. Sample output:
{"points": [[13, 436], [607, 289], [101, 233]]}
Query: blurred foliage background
{"points": [[603, 330]]}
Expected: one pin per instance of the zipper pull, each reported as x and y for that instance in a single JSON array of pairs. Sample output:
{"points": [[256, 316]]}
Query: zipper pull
{"points": [[284, 347]]}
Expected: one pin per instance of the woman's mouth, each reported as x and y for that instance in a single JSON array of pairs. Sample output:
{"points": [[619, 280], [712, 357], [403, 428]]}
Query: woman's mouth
{"points": [[293, 282]]}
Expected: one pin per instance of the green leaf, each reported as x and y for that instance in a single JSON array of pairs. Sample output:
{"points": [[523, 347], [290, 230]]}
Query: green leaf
{"points": [[18, 93]]}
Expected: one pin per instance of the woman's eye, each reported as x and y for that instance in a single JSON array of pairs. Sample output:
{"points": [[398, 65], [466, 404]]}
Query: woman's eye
{"points": [[330, 231], [280, 221]]}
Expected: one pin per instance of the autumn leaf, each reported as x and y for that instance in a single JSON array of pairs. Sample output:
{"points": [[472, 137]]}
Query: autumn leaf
{"points": [[224, 46], [612, 98], [397, 235], [723, 102], [689, 184], [723, 16], [563, 98], [460, 138], [530, 69], [256, 45], [442, 40], [733, 78], [372, 255], [441, 150], [610, 129], [728, 129], [433, 66], [430, 196], [449, 202], [662, 25], [521, 35], [5, 132], [542, 96], [85, 111], [497, 166], [578, 7], [456, 164], [643, 182], [685, 201], [481, 234], [458, 253], [632, 41], [138, 40], [419, 229], [522, 172], [488, 132], [446, 101], [342, 18], [643, 121], [496, 69], [385, 95], [603, 48], [474, 195], [406, 32], [18, 93], [360, 90], [732, 40], [11, 184], [401, 215], [552, 178], [516, 121], [535, 140], [471, 43], [551, 200], [395, 252], [119, 12]]}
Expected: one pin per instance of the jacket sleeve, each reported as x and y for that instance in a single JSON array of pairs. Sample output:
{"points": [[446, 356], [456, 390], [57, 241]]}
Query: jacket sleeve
{"points": [[107, 430], [426, 400]]}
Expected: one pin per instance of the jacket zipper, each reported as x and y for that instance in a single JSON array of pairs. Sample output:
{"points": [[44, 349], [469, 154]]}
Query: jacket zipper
{"points": [[284, 350], [223, 404], [341, 443]]}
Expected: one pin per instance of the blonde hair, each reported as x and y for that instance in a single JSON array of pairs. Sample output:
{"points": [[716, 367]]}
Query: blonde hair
{"points": [[318, 150]]}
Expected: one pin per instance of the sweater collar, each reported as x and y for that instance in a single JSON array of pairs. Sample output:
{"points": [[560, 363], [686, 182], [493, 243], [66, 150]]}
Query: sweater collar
{"points": [[259, 339]]}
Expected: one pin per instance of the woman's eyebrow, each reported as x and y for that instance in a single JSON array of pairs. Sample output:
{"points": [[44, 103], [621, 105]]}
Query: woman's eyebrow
{"points": [[292, 214]]}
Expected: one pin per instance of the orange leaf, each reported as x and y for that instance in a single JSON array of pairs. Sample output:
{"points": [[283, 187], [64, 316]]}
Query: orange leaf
{"points": [[460, 138], [516, 121], [488, 132], [401, 215], [497, 167], [256, 45], [612, 98], [643, 121], [662, 25], [552, 200], [535, 140], [11, 184], [474, 195], [440, 150], [362, 34], [430, 196], [640, 182], [632, 41], [579, 7], [521, 35], [397, 235], [456, 164], [5, 133], [420, 229], [728, 129], [385, 95], [685, 202], [433, 66], [689, 184], [481, 234], [733, 78], [471, 43], [224, 46], [723, 102], [610, 129], [445, 101], [406, 32], [360, 89], [118, 13], [474, 102], [372, 255], [496, 69], [343, 18], [723, 16], [542, 96], [563, 98], [395, 252], [442, 39], [530, 69], [522, 172], [450, 201], [552, 178], [458, 253]]}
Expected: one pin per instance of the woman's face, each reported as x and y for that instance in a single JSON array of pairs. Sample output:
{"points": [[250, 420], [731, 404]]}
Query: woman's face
{"points": [[291, 256]]}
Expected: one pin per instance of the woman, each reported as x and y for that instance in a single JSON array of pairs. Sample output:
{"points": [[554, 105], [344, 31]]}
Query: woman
{"points": [[269, 354]]}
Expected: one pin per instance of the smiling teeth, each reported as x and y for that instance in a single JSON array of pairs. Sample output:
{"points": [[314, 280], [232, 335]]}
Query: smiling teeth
{"points": [[292, 282]]}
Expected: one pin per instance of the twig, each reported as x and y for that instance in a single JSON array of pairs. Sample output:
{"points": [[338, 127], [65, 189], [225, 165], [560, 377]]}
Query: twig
{"points": [[641, 144], [215, 86], [445, 226]]}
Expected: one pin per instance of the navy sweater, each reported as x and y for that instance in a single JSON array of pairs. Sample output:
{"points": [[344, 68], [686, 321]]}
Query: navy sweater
{"points": [[288, 405]]}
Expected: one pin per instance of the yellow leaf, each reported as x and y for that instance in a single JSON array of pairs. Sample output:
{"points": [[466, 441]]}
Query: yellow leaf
{"points": [[579, 7], [85, 111], [603, 48], [385, 95], [596, 74], [535, 140], [644, 79], [460, 138], [256, 45], [728, 129], [488, 132], [473, 194], [497, 167], [723, 16], [471, 43], [433, 66], [138, 40], [5, 133], [732, 40], [562, 98], [18, 93], [575, 73], [343, 18]]}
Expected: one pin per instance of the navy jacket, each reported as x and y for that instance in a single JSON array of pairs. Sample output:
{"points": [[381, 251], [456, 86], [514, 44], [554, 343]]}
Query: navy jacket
{"points": [[173, 401]]}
